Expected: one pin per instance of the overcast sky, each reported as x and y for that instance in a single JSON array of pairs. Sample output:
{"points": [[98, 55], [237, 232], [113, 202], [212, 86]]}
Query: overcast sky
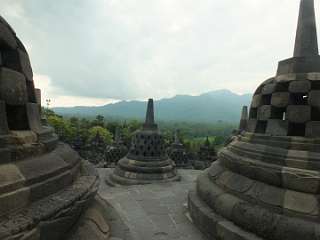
{"points": [[86, 52]]}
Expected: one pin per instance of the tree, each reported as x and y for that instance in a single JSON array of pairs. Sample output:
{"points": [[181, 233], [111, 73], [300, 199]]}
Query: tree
{"points": [[99, 121], [63, 128], [103, 132]]}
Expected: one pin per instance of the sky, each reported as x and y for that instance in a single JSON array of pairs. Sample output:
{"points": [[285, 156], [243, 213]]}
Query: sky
{"points": [[92, 52]]}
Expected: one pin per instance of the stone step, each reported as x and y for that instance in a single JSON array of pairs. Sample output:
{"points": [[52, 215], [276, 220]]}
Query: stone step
{"points": [[213, 225]]}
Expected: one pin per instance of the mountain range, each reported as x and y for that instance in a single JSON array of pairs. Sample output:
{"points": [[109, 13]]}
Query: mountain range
{"points": [[219, 105]]}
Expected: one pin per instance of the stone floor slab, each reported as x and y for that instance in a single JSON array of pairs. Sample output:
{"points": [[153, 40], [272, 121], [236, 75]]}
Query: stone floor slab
{"points": [[155, 211]]}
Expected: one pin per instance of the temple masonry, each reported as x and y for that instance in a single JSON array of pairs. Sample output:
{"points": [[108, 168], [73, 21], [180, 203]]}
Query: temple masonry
{"points": [[177, 152], [244, 119], [147, 160], [45, 187], [265, 184], [115, 151], [206, 155]]}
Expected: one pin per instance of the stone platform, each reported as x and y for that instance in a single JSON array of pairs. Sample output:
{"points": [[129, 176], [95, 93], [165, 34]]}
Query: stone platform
{"points": [[155, 211]]}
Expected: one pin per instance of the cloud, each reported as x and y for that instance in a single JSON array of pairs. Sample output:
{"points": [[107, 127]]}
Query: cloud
{"points": [[130, 49], [49, 92]]}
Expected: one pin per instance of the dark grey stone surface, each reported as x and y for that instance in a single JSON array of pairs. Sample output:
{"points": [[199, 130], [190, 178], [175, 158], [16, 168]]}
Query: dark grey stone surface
{"points": [[3, 119], [301, 86], [298, 114], [33, 115], [265, 183], [306, 43], [44, 186], [13, 89], [280, 99], [277, 127], [243, 119], [156, 211]]}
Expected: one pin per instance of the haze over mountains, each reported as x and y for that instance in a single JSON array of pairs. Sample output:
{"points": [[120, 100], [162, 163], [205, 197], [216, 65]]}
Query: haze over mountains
{"points": [[219, 105]]}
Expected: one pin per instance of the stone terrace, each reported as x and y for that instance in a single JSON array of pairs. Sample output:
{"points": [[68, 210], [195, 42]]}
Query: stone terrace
{"points": [[153, 212]]}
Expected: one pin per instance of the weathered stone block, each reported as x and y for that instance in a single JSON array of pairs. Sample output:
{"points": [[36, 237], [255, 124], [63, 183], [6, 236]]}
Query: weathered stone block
{"points": [[38, 95], [277, 127], [296, 201], [3, 119], [313, 76], [313, 129], [256, 101], [34, 118], [314, 98], [11, 59], [11, 178], [264, 112], [25, 65], [280, 99], [269, 88], [31, 92], [13, 89], [7, 38], [5, 155], [299, 65], [251, 126], [298, 113], [302, 86], [15, 200], [300, 180]]}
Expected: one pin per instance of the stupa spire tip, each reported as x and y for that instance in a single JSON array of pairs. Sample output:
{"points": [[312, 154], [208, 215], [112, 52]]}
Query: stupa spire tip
{"points": [[306, 43]]}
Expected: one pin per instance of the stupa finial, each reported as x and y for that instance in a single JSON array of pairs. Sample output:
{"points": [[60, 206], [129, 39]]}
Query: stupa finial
{"points": [[207, 142], [149, 122], [117, 136], [306, 38], [244, 119], [176, 137]]}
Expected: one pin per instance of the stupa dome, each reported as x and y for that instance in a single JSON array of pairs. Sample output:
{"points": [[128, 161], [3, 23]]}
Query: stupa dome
{"points": [[288, 104], [44, 184], [265, 183]]}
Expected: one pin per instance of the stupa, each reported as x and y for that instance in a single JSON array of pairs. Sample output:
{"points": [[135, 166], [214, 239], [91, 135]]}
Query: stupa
{"points": [[44, 184], [206, 156], [244, 119], [265, 184], [115, 151], [178, 153], [147, 160]]}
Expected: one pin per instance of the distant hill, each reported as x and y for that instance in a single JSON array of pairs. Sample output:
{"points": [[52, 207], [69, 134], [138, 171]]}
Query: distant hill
{"points": [[220, 105]]}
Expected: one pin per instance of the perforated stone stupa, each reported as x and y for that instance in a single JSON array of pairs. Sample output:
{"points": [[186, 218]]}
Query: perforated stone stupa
{"points": [[177, 152], [206, 155], [44, 184], [147, 160], [115, 151], [243, 119], [265, 184]]}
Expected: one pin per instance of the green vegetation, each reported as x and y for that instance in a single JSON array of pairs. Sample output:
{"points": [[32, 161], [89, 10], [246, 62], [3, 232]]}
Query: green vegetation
{"points": [[70, 129]]}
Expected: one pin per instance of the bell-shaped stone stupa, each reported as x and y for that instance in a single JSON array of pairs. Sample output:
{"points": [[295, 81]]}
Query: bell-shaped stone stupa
{"points": [[177, 152], [147, 160], [265, 184], [115, 151], [44, 184], [206, 155]]}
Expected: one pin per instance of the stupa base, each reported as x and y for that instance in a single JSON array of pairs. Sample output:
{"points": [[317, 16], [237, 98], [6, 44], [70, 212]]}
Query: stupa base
{"points": [[213, 225], [53, 217], [114, 180], [226, 205], [133, 172], [93, 223]]}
